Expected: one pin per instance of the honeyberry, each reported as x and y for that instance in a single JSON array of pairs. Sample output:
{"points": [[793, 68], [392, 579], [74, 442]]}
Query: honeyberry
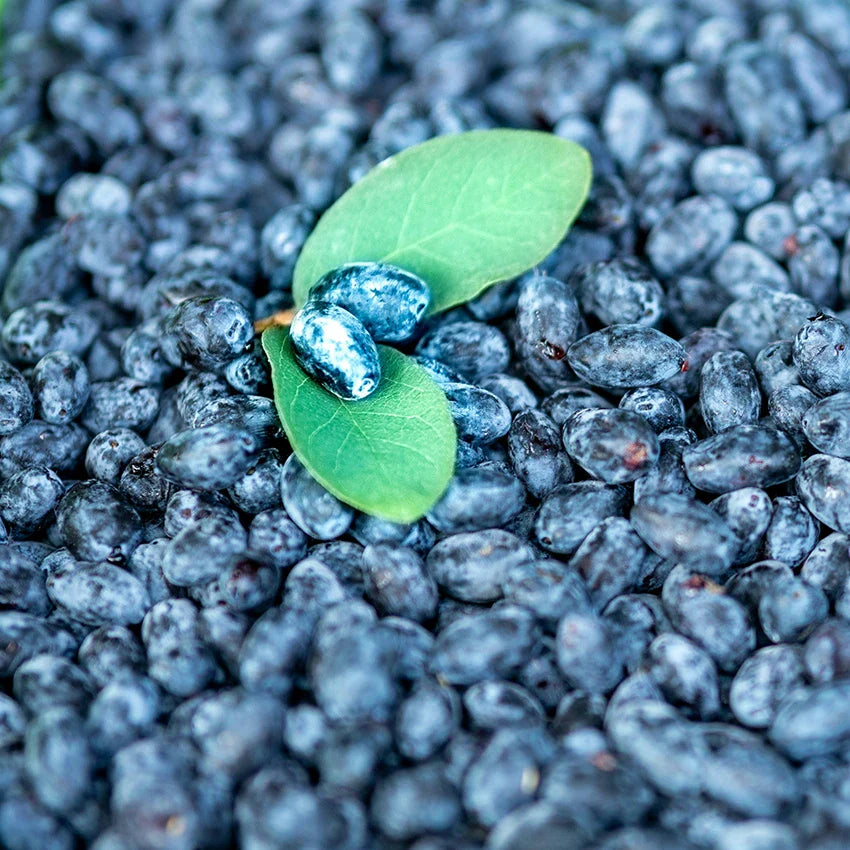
{"points": [[389, 301], [626, 356], [334, 347]]}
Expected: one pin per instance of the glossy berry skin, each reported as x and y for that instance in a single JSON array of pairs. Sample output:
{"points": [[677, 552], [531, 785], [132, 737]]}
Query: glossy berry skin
{"points": [[208, 458], [743, 456], [275, 535], [142, 356], [513, 391], [762, 682], [16, 404], [480, 417], [418, 536], [775, 367], [769, 225], [749, 584], [61, 387], [397, 582], [109, 451], [389, 301], [473, 349], [685, 673], [177, 659], [563, 403], [142, 483], [626, 356], [828, 564], [96, 523], [826, 424], [474, 566], [823, 485], [249, 373], [822, 355], [792, 532], [615, 446], [826, 654], [790, 610], [747, 512], [206, 332], [489, 644], [810, 721], [98, 594], [312, 508], [122, 403], [668, 473], [691, 235], [699, 346], [588, 653], [58, 446], [426, 720], [719, 623], [255, 414], [23, 584], [496, 704], [249, 582], [684, 531], [788, 407], [813, 265], [735, 174], [57, 746], [536, 453], [334, 347], [743, 270], [611, 560], [567, 516], [729, 391], [661, 408], [259, 488], [439, 371], [620, 291], [477, 498], [32, 331], [199, 553], [281, 240], [764, 317], [694, 303], [26, 497], [548, 587], [547, 322]]}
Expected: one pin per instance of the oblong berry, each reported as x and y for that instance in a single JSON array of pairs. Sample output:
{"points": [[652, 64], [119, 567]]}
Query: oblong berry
{"points": [[615, 446], [332, 346], [823, 486], [390, 301], [685, 531], [626, 356], [827, 425], [745, 456]]}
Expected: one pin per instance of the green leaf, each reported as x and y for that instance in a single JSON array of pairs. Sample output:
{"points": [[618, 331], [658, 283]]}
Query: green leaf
{"points": [[461, 211], [391, 455]]}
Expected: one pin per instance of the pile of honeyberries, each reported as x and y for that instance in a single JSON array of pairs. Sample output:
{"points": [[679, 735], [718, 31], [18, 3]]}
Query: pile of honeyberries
{"points": [[626, 623], [349, 309]]}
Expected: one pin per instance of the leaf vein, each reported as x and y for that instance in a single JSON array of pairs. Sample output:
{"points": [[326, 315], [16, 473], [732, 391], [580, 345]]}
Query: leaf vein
{"points": [[412, 200]]}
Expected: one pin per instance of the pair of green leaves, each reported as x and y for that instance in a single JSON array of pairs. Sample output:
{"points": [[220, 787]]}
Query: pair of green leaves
{"points": [[463, 212]]}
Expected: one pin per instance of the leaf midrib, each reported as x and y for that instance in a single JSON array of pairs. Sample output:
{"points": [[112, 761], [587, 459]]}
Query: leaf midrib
{"points": [[385, 472], [454, 223]]}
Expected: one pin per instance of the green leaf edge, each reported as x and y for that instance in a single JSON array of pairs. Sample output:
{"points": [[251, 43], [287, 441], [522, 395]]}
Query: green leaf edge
{"points": [[392, 513], [301, 297]]}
